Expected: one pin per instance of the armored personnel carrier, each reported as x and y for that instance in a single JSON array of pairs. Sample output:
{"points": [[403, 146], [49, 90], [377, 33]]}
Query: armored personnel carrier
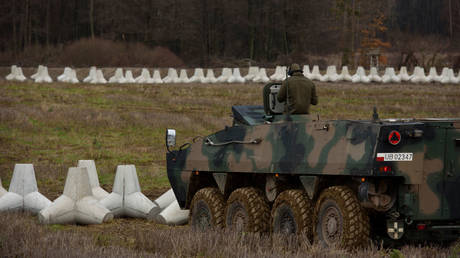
{"points": [[340, 182]]}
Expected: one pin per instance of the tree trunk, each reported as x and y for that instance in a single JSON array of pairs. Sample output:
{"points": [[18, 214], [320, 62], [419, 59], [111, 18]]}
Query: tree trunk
{"points": [[91, 17]]}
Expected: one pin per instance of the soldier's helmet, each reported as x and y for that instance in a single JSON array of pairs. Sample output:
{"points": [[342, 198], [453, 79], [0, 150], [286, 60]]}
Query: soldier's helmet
{"points": [[294, 68]]}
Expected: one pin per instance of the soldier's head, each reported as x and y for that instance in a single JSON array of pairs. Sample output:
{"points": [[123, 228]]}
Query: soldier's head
{"points": [[294, 68]]}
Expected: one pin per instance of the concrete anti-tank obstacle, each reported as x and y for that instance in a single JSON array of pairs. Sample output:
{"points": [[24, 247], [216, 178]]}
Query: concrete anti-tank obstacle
{"points": [[236, 77], [2, 190], [306, 71], [374, 75], [345, 74], [163, 201], [448, 76], [433, 75], [96, 189], [129, 77], [198, 76], [252, 72], [261, 76], [331, 74], [226, 74], [23, 191], [126, 198], [278, 73], [73, 76], [43, 76], [360, 76], [403, 75], [156, 78], [171, 77], [118, 76], [16, 74], [35, 75], [210, 77], [315, 74], [183, 77], [144, 77], [64, 75], [173, 215], [390, 76], [92, 75], [419, 75], [76, 204], [99, 77], [12, 74]]}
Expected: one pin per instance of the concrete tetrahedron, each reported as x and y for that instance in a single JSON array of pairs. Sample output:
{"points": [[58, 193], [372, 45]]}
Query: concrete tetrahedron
{"points": [[390, 76], [118, 76], [63, 77], [129, 77], [315, 74], [261, 76], [76, 204], [23, 192], [210, 77], [157, 77], [306, 71], [11, 76], [39, 70], [91, 75], [173, 215], [252, 72], [43, 76], [236, 77], [183, 77], [360, 76], [226, 74], [163, 201], [126, 198], [171, 77], [403, 75], [448, 76], [198, 76], [278, 73], [345, 74], [433, 75], [96, 189], [374, 75], [144, 77], [331, 74]]}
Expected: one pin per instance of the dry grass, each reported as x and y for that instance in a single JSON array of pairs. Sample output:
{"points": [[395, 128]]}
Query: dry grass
{"points": [[55, 125]]}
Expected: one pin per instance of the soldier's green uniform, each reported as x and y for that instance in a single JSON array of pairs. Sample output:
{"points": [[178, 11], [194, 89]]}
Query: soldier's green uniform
{"points": [[300, 91]]}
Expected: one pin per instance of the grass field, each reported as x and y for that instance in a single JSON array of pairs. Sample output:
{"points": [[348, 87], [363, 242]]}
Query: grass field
{"points": [[55, 125]]}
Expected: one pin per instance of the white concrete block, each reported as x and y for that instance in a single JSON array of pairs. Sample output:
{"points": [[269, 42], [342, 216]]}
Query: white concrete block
{"points": [[390, 76], [331, 74], [277, 74], [236, 77], [198, 76], [12, 75], [261, 76], [183, 77], [252, 72], [163, 201], [126, 198], [43, 76], [360, 76], [76, 205], [210, 77], [144, 77], [19, 75], [99, 77], [129, 77], [23, 191], [173, 215], [73, 76], [315, 74], [374, 75], [419, 75], [448, 76], [345, 74], [433, 75], [403, 75], [118, 76], [92, 75], [157, 77], [39, 71], [306, 71], [96, 189], [171, 77], [63, 77], [226, 74]]}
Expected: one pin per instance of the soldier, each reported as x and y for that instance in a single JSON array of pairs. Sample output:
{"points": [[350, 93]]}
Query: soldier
{"points": [[299, 91]]}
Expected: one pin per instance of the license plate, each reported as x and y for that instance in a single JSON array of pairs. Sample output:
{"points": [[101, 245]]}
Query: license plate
{"points": [[395, 156]]}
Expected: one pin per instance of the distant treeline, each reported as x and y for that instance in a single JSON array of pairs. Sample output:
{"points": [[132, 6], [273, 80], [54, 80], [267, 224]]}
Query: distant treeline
{"points": [[200, 31]]}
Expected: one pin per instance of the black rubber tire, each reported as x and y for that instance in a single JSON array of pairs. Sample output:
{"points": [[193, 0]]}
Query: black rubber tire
{"points": [[207, 209], [247, 211], [346, 218], [292, 213]]}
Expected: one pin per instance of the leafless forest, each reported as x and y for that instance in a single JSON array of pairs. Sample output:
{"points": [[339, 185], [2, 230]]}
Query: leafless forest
{"points": [[212, 33]]}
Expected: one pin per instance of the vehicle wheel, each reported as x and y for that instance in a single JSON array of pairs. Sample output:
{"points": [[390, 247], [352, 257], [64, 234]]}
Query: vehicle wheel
{"points": [[340, 219], [247, 211], [292, 213], [207, 209]]}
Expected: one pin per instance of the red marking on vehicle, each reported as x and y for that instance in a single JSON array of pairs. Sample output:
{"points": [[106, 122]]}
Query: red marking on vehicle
{"points": [[394, 137]]}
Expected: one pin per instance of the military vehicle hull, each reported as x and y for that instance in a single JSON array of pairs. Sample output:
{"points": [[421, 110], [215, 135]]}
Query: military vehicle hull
{"points": [[393, 178]]}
